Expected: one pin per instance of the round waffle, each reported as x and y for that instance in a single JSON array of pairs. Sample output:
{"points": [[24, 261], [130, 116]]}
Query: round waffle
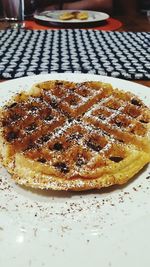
{"points": [[74, 136]]}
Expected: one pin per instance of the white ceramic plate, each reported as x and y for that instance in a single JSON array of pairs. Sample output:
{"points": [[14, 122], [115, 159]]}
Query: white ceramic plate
{"points": [[108, 228], [53, 16]]}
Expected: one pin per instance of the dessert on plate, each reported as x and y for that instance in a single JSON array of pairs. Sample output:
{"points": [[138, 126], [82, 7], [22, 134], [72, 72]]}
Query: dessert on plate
{"points": [[79, 15], [64, 135]]}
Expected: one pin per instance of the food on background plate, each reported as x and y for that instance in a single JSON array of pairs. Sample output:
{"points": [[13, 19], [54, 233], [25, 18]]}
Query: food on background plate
{"points": [[63, 135], [80, 15]]}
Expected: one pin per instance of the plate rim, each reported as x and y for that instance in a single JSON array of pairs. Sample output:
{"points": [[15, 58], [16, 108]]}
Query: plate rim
{"points": [[104, 77]]}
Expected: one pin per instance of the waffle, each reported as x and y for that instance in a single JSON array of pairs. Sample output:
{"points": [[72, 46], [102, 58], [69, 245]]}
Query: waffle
{"points": [[80, 15], [63, 135]]}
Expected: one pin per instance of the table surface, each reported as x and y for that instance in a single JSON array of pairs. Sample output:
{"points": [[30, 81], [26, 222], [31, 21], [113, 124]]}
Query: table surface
{"points": [[136, 23]]}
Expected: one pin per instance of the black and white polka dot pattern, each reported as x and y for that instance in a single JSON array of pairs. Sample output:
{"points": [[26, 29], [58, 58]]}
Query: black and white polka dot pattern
{"points": [[119, 54]]}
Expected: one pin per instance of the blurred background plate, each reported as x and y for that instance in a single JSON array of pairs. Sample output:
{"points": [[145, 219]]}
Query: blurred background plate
{"points": [[53, 17]]}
